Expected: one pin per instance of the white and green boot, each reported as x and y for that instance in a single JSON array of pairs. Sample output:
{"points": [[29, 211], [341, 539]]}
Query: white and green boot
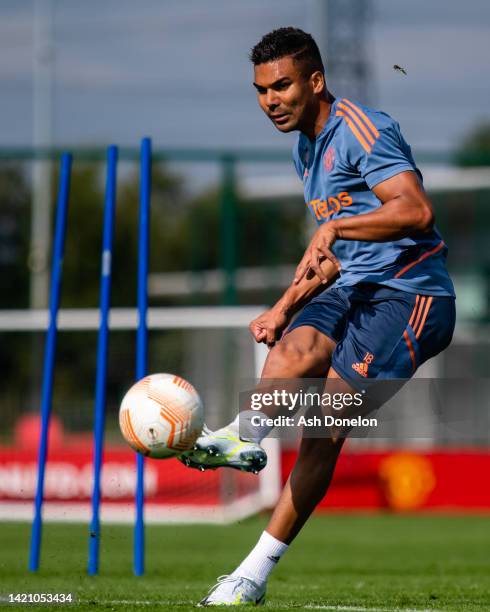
{"points": [[224, 448], [234, 591]]}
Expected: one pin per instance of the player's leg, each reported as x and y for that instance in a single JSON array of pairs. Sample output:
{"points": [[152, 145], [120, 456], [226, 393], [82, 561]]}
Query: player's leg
{"points": [[311, 476], [402, 331], [305, 352], [306, 486]]}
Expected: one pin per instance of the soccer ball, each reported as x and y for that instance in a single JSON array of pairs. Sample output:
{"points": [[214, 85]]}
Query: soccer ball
{"points": [[161, 416]]}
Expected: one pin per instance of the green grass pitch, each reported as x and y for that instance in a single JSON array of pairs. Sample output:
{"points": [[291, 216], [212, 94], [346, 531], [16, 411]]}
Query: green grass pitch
{"points": [[348, 563]]}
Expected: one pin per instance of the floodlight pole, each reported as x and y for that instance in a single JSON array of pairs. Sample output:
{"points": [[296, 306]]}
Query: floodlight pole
{"points": [[43, 60]]}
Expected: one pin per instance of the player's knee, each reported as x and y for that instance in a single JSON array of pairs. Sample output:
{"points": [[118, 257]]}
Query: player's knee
{"points": [[289, 356], [304, 352]]}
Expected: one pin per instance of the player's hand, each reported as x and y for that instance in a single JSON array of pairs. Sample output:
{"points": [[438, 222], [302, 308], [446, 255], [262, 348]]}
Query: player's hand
{"points": [[318, 250], [269, 326]]}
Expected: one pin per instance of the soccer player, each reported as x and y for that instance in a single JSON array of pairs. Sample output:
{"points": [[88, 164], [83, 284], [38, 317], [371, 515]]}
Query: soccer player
{"points": [[372, 291]]}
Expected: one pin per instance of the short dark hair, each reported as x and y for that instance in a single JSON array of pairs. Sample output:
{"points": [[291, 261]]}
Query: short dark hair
{"points": [[288, 42]]}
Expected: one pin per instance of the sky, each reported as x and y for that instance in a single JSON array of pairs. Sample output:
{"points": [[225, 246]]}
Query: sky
{"points": [[179, 71]]}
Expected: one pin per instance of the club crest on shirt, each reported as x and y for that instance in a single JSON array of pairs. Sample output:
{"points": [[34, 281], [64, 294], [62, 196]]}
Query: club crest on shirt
{"points": [[306, 158], [329, 159]]}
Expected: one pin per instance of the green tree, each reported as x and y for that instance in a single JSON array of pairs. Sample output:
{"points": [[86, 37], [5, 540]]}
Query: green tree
{"points": [[84, 236], [475, 148], [75, 364]]}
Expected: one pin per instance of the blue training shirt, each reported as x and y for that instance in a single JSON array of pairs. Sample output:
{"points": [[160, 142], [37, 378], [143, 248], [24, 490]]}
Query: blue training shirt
{"points": [[357, 149]]}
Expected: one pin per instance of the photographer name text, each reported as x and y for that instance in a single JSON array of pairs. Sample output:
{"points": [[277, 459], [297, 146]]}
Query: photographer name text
{"points": [[313, 421]]}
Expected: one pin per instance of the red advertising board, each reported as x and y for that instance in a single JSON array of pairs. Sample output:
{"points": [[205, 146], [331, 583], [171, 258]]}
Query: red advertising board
{"points": [[396, 480]]}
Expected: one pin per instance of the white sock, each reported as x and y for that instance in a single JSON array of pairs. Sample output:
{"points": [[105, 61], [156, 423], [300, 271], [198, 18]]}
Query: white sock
{"points": [[247, 431], [262, 559]]}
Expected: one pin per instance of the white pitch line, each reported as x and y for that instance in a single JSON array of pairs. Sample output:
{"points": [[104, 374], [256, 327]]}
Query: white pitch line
{"points": [[363, 609], [126, 602]]}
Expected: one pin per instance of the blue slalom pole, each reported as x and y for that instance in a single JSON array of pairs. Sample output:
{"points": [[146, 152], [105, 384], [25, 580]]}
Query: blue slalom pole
{"points": [[102, 350], [142, 339], [50, 354]]}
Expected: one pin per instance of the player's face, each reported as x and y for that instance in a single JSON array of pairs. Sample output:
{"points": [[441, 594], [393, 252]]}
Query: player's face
{"points": [[286, 96]]}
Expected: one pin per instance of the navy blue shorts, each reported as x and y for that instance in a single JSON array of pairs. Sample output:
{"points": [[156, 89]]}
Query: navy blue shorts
{"points": [[381, 333]]}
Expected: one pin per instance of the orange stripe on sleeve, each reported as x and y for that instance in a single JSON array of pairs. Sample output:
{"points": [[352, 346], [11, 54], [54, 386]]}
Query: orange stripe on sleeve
{"points": [[358, 122], [422, 322], [364, 117], [355, 131], [421, 258], [410, 348]]}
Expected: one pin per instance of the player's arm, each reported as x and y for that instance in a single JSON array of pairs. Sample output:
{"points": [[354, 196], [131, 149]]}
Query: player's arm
{"points": [[270, 324], [406, 210]]}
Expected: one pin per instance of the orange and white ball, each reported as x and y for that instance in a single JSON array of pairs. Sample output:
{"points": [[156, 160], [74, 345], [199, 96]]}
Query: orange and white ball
{"points": [[161, 416]]}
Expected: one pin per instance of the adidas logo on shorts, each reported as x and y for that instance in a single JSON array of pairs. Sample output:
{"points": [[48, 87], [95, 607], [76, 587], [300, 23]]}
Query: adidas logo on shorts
{"points": [[361, 368]]}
